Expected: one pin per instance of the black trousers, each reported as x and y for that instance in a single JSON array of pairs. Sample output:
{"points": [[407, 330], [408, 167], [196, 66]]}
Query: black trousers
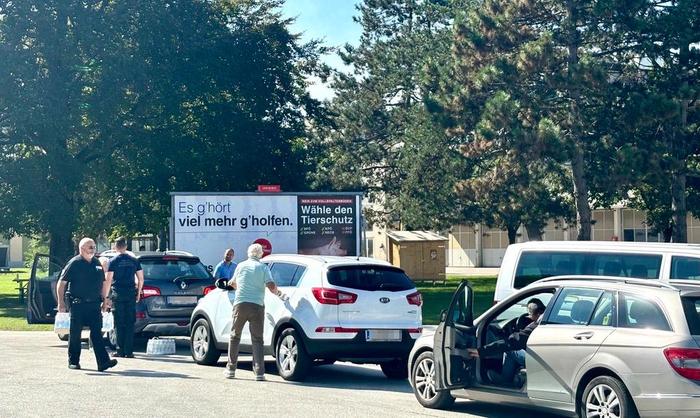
{"points": [[89, 315], [124, 310]]}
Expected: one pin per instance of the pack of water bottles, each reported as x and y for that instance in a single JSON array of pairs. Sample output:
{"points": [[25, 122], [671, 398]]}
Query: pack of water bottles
{"points": [[160, 346], [107, 321], [61, 324]]}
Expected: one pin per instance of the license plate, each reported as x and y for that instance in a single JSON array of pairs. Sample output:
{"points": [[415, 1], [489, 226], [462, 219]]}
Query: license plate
{"points": [[182, 300], [383, 335]]}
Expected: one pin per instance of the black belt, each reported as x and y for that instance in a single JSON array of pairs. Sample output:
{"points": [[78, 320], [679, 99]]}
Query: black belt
{"points": [[84, 300]]}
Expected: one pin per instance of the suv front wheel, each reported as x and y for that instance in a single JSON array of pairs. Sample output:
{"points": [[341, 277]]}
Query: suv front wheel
{"points": [[202, 344], [292, 360]]}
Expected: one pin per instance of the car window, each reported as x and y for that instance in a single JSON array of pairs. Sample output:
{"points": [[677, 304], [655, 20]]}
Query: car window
{"points": [[461, 313], [638, 312], [297, 275], [370, 278], [519, 308], [686, 268], [604, 313], [691, 307], [283, 273], [47, 270], [169, 269], [574, 306], [536, 265]]}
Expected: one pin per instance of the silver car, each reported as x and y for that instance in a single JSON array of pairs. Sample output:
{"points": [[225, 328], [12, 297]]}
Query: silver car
{"points": [[604, 347]]}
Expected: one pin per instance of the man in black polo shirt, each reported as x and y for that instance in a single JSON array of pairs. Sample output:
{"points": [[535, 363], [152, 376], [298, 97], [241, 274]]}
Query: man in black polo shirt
{"points": [[85, 280], [125, 294]]}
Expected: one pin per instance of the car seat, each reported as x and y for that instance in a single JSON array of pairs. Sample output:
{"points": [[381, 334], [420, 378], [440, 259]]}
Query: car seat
{"points": [[685, 269], [645, 315], [581, 311], [612, 268], [639, 271]]}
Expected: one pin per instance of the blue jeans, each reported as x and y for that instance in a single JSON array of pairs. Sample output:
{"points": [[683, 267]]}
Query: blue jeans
{"points": [[512, 362]]}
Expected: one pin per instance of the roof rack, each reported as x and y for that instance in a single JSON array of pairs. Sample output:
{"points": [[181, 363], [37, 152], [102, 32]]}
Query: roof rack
{"points": [[628, 280]]}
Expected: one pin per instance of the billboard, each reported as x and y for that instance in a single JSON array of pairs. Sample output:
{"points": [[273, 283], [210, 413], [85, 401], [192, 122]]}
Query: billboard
{"points": [[283, 223]]}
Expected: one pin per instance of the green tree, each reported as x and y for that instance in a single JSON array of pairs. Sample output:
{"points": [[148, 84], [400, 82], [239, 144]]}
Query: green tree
{"points": [[666, 37], [383, 141], [557, 60], [107, 107]]}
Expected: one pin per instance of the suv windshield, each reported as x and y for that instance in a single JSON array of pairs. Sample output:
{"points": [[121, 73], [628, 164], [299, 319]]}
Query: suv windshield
{"points": [[169, 269], [370, 278], [691, 306]]}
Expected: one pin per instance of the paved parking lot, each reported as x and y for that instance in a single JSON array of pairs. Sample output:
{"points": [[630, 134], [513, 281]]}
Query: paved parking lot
{"points": [[35, 381]]}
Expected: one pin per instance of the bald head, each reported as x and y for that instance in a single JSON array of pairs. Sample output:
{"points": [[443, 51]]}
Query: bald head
{"points": [[86, 247]]}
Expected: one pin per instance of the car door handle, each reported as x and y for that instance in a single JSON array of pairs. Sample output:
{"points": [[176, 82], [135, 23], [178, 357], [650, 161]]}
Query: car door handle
{"points": [[584, 336]]}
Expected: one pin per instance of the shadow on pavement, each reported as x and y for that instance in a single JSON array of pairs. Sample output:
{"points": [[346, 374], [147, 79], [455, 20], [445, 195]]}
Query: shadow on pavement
{"points": [[339, 376], [490, 410], [143, 373]]}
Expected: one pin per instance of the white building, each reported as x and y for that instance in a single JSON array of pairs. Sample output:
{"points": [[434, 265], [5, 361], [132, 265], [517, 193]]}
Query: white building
{"points": [[480, 246]]}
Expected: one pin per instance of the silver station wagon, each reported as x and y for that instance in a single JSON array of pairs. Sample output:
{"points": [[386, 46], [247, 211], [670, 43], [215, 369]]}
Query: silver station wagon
{"points": [[604, 347]]}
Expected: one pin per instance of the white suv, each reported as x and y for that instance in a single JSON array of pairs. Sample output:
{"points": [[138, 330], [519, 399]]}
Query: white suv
{"points": [[339, 308]]}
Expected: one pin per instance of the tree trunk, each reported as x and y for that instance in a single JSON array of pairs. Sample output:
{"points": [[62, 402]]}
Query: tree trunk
{"points": [[534, 232], [667, 233], [61, 245], [163, 240], [583, 209], [512, 233], [678, 206]]}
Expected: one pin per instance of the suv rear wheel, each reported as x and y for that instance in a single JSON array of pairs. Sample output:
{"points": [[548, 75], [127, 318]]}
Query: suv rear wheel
{"points": [[202, 344], [423, 382], [292, 360], [606, 397]]}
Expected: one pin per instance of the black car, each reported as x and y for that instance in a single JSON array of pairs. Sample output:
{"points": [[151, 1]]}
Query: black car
{"points": [[173, 283]]}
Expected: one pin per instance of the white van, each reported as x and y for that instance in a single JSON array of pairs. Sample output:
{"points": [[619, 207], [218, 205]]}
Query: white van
{"points": [[528, 262]]}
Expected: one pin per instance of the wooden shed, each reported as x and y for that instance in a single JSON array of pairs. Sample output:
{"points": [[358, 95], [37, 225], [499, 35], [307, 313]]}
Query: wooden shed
{"points": [[421, 254]]}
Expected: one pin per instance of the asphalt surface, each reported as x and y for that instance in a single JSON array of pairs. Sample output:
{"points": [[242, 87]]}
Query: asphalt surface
{"points": [[36, 382]]}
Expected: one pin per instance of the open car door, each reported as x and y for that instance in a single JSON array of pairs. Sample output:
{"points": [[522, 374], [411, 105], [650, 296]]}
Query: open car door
{"points": [[41, 289], [455, 334]]}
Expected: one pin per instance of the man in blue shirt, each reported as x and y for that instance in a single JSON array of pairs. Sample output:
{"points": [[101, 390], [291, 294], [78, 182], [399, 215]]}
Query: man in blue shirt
{"points": [[250, 280], [126, 292], [225, 268]]}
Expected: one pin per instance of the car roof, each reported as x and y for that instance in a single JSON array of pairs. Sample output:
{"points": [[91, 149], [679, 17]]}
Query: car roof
{"points": [[606, 245], [608, 283], [326, 260]]}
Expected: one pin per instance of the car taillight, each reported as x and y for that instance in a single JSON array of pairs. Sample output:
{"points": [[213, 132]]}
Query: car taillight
{"points": [[415, 330], [336, 329], [140, 315], [208, 289], [685, 361], [332, 296], [415, 299], [149, 291]]}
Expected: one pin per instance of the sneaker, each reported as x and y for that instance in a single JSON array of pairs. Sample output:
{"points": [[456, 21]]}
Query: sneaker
{"points": [[110, 364], [260, 378], [118, 354], [74, 366], [230, 374], [129, 355]]}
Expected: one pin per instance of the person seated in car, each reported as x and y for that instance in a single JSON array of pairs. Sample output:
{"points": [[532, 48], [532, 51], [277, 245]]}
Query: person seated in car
{"points": [[512, 347]]}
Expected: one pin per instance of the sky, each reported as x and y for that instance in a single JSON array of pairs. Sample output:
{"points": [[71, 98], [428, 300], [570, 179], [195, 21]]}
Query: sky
{"points": [[327, 20]]}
